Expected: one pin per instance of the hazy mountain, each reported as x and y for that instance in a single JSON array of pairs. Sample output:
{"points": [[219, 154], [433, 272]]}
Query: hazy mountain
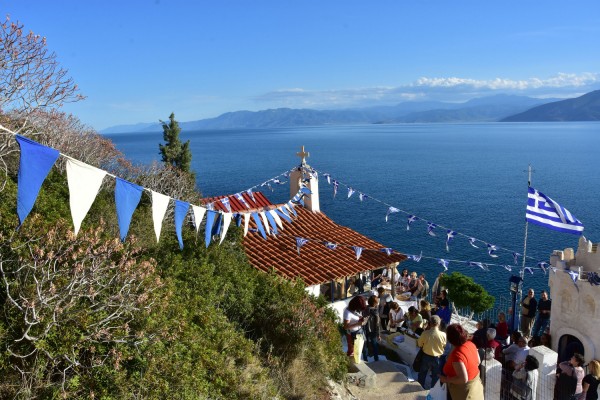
{"points": [[583, 108], [490, 108]]}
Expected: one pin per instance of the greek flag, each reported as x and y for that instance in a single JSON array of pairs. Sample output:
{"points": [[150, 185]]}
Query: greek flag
{"points": [[411, 219], [350, 191], [330, 245], [242, 200], [508, 268], [543, 211], [414, 257], [225, 202], [492, 250], [387, 251], [362, 196], [300, 242], [443, 263], [528, 269], [472, 241], [335, 187], [516, 258], [328, 178], [449, 236], [430, 227], [390, 210], [543, 266], [358, 251]]}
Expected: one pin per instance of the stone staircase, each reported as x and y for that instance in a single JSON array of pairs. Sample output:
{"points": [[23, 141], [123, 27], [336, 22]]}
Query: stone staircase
{"points": [[382, 380]]}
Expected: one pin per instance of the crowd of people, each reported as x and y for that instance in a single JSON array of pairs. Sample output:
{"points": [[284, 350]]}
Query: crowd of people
{"points": [[455, 357]]}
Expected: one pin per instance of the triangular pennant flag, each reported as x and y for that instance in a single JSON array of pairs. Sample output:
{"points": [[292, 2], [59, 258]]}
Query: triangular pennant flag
{"points": [[515, 258], [357, 251], [328, 178], [350, 191], [492, 250], [210, 206], [450, 234], [528, 269], [198, 216], [210, 220], [362, 196], [444, 263], [331, 246], [271, 221], [216, 230], [181, 209], [278, 182], [593, 278], [225, 202], [251, 194], [259, 225], [246, 223], [415, 257], [127, 198], [280, 211], [472, 241], [335, 187], [84, 183], [160, 202], [34, 166], [276, 218], [543, 265], [290, 207], [387, 250], [430, 227], [265, 222], [574, 276], [390, 210], [300, 242], [238, 219], [508, 268], [226, 222], [478, 264], [411, 219], [305, 190], [242, 200]]}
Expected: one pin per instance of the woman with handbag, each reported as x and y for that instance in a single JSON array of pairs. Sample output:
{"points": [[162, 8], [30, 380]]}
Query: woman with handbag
{"points": [[525, 379], [461, 371]]}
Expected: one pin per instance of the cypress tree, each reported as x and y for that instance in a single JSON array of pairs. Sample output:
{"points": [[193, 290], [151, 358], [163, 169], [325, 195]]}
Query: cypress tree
{"points": [[174, 152]]}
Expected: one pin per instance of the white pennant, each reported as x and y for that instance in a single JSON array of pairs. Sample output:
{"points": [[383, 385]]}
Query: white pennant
{"points": [[198, 215], [265, 222], [276, 218], [160, 202], [226, 222], [246, 223], [84, 184]]}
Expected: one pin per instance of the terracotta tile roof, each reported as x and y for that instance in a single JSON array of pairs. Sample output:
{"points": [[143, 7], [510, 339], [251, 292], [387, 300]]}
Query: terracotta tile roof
{"points": [[236, 206], [316, 263]]}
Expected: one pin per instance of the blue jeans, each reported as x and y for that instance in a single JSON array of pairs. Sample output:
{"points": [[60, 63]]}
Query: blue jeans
{"points": [[373, 344], [429, 363], [540, 326]]}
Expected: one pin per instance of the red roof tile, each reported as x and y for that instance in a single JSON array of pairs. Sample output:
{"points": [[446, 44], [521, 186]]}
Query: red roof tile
{"points": [[316, 263], [259, 201]]}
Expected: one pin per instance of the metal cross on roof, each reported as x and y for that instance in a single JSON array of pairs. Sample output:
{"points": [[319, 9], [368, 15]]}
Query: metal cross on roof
{"points": [[303, 154]]}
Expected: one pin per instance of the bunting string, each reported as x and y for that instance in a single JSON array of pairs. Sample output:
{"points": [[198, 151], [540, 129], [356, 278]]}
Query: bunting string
{"points": [[432, 227]]}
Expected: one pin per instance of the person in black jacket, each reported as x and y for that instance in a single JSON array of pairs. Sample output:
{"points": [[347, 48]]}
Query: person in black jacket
{"points": [[543, 318], [373, 327], [528, 309]]}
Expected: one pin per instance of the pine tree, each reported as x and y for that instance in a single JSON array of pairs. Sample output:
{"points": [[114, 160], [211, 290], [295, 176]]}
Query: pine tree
{"points": [[174, 152]]}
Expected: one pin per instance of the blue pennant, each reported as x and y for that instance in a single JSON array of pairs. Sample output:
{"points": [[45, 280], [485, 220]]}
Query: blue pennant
{"points": [[272, 222], [300, 242], [127, 198], [387, 251], [210, 219], [358, 251], [34, 166], [181, 209], [259, 225]]}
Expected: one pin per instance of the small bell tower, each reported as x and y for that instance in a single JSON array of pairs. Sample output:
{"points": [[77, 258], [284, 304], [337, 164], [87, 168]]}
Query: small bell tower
{"points": [[304, 173]]}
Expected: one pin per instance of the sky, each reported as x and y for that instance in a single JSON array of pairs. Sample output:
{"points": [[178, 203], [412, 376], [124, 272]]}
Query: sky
{"points": [[138, 61]]}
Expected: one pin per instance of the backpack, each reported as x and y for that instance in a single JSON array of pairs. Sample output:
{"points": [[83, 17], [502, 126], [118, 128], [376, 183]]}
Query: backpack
{"points": [[372, 324]]}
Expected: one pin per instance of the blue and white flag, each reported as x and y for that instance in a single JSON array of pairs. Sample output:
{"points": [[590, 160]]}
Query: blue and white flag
{"points": [[357, 251], [516, 258], [210, 207], [553, 270], [300, 242], [242, 199], [387, 251], [415, 257], [335, 187], [305, 190], [543, 211], [479, 264], [528, 269], [593, 278], [444, 263], [508, 268], [492, 250], [390, 210], [331, 246], [362, 196], [225, 202], [251, 194], [411, 219], [277, 181], [328, 178], [472, 241], [574, 276], [450, 234], [350, 191], [543, 266], [430, 227]]}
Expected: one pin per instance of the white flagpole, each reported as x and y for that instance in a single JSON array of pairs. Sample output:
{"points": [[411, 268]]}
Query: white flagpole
{"points": [[522, 274]]}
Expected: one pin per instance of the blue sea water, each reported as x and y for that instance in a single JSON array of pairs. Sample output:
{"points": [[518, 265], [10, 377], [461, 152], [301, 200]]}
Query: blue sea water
{"points": [[468, 177]]}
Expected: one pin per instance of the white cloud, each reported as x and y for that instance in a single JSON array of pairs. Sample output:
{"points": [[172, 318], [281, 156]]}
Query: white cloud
{"points": [[426, 88]]}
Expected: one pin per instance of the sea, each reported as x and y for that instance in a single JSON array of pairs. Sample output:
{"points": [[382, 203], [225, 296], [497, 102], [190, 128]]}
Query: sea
{"points": [[469, 178]]}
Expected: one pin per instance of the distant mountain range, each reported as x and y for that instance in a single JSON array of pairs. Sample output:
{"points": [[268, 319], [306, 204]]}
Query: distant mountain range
{"points": [[485, 109], [583, 108]]}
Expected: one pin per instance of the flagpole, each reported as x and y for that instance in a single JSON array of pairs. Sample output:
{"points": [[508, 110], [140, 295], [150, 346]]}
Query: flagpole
{"points": [[522, 273]]}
